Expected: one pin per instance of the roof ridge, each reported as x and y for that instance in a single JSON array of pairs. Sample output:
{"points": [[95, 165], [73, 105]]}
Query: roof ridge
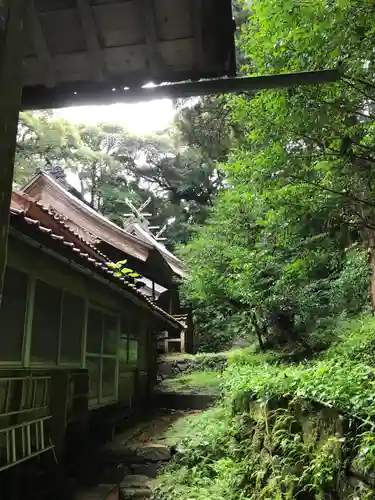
{"points": [[83, 205]]}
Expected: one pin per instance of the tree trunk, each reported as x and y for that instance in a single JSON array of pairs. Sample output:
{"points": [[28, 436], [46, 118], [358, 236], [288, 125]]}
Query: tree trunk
{"points": [[372, 265], [368, 237], [12, 15], [257, 329]]}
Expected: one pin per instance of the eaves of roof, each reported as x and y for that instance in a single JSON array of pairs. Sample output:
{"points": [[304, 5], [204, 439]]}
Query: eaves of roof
{"points": [[44, 237], [33, 208]]}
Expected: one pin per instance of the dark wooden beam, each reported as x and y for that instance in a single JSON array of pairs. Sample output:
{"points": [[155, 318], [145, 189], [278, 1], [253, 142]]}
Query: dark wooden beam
{"points": [[41, 47], [196, 8], [11, 57], [90, 93], [92, 40], [151, 36]]}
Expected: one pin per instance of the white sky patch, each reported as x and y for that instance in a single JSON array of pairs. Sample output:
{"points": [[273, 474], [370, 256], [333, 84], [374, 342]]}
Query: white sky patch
{"points": [[141, 118]]}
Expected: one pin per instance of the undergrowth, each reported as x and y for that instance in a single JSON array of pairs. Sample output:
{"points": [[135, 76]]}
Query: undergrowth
{"points": [[265, 441]]}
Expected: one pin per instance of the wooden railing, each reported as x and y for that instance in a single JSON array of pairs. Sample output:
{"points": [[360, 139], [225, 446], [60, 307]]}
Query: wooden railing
{"points": [[22, 442], [24, 416]]}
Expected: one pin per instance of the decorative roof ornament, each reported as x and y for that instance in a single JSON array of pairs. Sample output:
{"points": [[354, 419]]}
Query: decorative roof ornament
{"points": [[141, 218]]}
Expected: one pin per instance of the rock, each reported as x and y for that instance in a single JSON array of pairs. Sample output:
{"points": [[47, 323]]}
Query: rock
{"points": [[119, 454], [115, 474], [155, 453], [147, 469], [165, 369], [100, 492]]}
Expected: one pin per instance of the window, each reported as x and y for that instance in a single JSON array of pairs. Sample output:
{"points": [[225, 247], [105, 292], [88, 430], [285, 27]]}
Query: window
{"points": [[94, 331], [46, 323], [72, 325], [110, 335], [133, 352], [12, 315], [101, 356], [57, 327]]}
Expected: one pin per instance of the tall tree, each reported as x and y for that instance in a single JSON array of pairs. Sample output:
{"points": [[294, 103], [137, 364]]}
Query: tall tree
{"points": [[302, 189], [43, 142]]}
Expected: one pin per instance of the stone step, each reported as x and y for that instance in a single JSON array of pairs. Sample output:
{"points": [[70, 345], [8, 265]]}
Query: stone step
{"points": [[137, 454], [100, 492], [135, 486], [184, 401]]}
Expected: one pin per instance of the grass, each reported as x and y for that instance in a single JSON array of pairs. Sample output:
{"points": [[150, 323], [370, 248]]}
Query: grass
{"points": [[181, 429], [206, 382]]}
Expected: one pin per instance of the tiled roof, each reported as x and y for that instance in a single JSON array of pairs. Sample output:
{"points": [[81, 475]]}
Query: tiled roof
{"points": [[20, 221], [61, 220]]}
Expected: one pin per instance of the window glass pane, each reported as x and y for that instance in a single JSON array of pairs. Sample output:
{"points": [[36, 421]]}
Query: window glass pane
{"points": [[94, 331], [110, 334], [123, 354], [93, 367], [109, 378], [72, 328], [12, 315], [133, 351], [46, 323]]}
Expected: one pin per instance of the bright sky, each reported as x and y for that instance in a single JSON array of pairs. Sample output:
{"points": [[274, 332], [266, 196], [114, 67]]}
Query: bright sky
{"points": [[139, 118]]}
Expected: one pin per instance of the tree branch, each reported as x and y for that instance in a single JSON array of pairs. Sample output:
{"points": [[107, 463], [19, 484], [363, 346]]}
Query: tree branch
{"points": [[333, 191]]}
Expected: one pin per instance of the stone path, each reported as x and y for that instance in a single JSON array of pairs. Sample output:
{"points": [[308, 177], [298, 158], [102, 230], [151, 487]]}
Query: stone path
{"points": [[135, 458]]}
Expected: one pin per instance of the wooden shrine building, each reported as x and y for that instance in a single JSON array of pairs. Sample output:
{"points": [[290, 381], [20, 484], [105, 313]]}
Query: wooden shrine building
{"points": [[74, 338], [160, 270]]}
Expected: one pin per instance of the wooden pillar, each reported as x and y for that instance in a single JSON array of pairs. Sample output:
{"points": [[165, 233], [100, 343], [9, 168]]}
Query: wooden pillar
{"points": [[12, 17]]}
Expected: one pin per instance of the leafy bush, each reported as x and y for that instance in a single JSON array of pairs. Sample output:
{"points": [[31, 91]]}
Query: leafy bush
{"points": [[351, 290]]}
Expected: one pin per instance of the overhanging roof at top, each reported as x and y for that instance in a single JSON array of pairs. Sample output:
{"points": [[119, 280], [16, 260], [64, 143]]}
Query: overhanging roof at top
{"points": [[90, 46]]}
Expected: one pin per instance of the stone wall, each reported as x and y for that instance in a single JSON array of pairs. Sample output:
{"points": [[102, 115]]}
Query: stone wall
{"points": [[324, 431], [173, 367]]}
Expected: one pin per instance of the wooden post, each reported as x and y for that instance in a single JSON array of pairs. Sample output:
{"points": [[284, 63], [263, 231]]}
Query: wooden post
{"points": [[182, 337], [12, 17]]}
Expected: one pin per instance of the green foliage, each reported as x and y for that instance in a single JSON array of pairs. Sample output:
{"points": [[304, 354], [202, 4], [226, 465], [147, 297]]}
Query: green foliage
{"points": [[121, 271], [176, 170], [215, 327], [269, 439], [288, 239], [350, 290]]}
